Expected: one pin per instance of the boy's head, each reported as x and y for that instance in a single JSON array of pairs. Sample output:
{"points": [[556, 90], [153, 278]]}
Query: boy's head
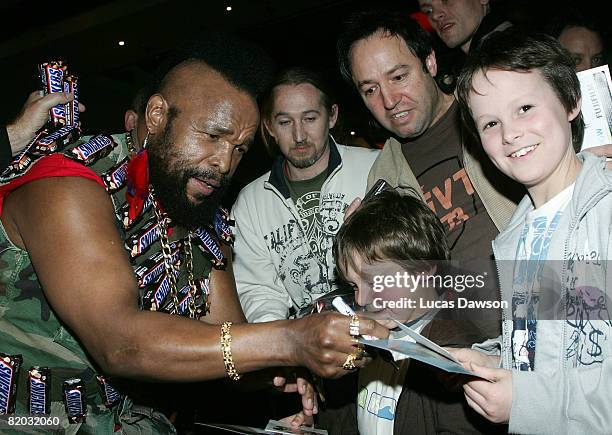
{"points": [[388, 235], [520, 95]]}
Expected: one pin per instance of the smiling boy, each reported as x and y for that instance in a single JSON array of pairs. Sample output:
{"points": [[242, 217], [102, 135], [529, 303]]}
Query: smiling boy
{"points": [[519, 94]]}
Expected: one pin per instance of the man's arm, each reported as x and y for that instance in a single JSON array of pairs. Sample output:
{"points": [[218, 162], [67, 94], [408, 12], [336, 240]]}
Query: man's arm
{"points": [[67, 226]]}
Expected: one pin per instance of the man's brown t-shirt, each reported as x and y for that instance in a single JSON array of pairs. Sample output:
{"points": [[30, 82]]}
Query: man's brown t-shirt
{"points": [[435, 159]]}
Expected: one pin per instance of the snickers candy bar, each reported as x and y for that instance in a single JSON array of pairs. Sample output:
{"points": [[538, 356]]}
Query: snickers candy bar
{"points": [[204, 286], [52, 142], [139, 242], [39, 390], [42, 133], [183, 298], [223, 226], [19, 166], [150, 269], [224, 214], [123, 214], [74, 400], [52, 76], [110, 396], [155, 297], [23, 162], [209, 246], [94, 149], [72, 107], [114, 179], [67, 106], [42, 71], [9, 373]]}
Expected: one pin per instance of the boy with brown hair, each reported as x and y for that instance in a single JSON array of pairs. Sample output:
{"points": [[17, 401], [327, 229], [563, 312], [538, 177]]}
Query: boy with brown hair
{"points": [[391, 238], [520, 95]]}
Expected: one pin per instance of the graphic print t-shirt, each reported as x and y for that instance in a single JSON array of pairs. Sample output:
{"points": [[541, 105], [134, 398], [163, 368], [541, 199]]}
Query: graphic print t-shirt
{"points": [[435, 159], [306, 195], [531, 255]]}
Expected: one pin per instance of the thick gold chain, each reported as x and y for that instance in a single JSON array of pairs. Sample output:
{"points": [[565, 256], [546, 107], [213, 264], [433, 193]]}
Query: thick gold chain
{"points": [[190, 278], [170, 267]]}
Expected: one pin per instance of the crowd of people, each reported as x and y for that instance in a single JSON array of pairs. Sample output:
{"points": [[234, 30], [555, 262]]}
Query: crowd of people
{"points": [[119, 267]]}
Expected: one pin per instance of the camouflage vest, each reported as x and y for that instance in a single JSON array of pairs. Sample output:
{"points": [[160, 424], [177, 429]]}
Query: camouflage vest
{"points": [[29, 327]]}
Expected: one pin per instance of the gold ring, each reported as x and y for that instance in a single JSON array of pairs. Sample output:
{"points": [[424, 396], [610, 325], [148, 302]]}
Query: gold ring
{"points": [[349, 364], [354, 326], [359, 352]]}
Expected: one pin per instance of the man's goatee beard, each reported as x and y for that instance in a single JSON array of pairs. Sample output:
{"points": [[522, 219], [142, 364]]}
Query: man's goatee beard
{"points": [[308, 162], [173, 197], [169, 176]]}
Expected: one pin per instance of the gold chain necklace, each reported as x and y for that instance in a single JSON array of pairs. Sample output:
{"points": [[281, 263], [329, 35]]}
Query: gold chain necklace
{"points": [[129, 141], [172, 268]]}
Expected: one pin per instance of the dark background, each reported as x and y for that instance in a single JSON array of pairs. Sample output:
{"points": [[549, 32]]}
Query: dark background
{"points": [[295, 32], [85, 34]]}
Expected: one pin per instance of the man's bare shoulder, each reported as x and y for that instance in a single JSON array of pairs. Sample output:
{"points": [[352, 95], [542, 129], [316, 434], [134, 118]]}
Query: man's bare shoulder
{"points": [[51, 201]]}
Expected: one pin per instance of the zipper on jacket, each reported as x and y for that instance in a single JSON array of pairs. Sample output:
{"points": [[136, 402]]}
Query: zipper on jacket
{"points": [[327, 181], [505, 360]]}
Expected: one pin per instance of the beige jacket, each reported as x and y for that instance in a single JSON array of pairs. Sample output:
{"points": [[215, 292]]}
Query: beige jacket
{"points": [[499, 198]]}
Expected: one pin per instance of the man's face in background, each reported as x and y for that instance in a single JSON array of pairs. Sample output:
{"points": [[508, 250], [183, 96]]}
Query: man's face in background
{"points": [[455, 21], [300, 123]]}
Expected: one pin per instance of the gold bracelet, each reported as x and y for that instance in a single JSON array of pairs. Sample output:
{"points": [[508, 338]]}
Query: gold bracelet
{"points": [[226, 349]]}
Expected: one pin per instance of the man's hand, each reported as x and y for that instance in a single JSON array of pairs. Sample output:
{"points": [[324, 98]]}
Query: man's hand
{"points": [[322, 342], [493, 398], [466, 356], [33, 116], [602, 151], [309, 398]]}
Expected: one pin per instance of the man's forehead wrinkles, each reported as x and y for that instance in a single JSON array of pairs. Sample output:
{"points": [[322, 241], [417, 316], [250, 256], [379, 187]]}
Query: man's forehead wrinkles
{"points": [[245, 134], [218, 127]]}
